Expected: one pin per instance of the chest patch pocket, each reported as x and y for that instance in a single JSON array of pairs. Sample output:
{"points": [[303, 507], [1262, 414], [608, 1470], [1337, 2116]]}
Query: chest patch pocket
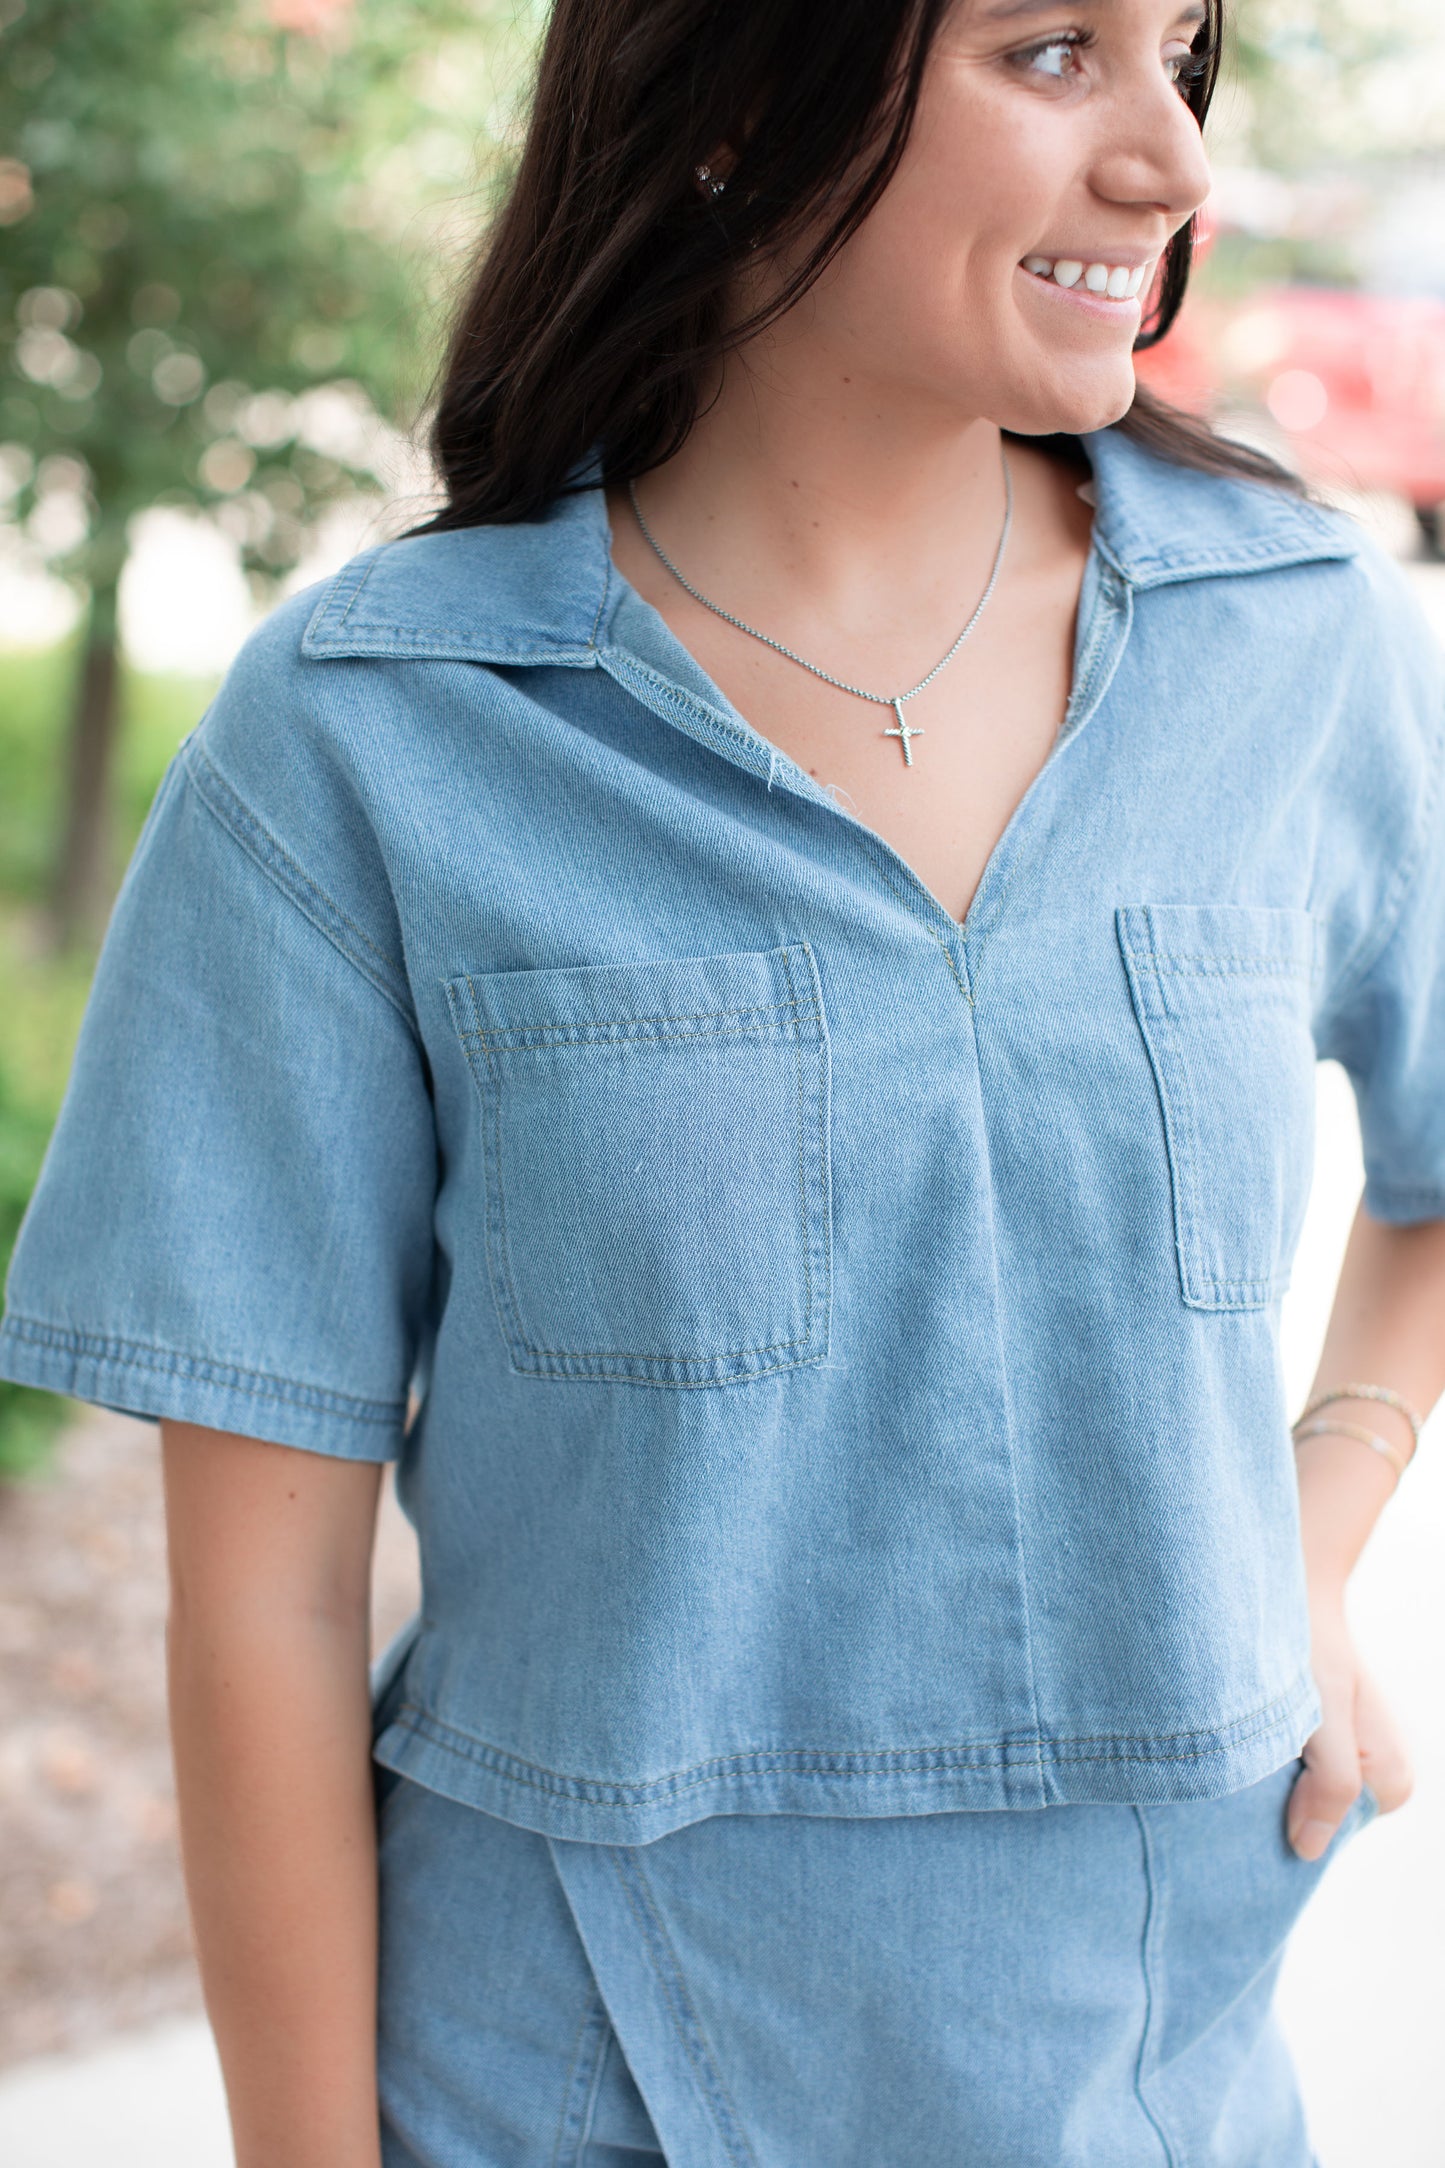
{"points": [[1222, 994], [657, 1164]]}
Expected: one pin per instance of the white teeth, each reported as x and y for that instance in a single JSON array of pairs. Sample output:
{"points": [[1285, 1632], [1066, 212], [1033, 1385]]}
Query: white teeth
{"points": [[1117, 281]]}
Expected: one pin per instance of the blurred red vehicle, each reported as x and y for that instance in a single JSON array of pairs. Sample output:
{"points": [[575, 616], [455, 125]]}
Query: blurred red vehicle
{"points": [[1354, 382]]}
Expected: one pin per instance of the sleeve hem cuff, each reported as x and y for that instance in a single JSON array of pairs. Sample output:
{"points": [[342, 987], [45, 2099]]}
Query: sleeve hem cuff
{"points": [[1400, 1205], [138, 1379]]}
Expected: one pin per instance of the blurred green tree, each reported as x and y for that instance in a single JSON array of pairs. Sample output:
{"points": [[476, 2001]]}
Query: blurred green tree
{"points": [[1330, 79], [215, 277]]}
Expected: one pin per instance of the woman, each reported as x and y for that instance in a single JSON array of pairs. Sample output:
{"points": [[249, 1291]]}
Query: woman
{"points": [[780, 1004]]}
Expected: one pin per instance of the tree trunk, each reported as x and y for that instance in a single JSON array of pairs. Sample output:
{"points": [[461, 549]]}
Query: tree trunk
{"points": [[82, 889]]}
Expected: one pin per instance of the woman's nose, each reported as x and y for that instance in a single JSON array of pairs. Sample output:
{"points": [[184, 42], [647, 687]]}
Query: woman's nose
{"points": [[1152, 153]]}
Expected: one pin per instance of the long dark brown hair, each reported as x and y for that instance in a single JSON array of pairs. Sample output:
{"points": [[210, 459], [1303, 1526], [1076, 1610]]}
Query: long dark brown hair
{"points": [[598, 308]]}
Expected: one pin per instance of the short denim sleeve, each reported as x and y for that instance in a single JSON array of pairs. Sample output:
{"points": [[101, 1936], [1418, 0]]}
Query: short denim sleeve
{"points": [[1386, 1025], [233, 1221]]}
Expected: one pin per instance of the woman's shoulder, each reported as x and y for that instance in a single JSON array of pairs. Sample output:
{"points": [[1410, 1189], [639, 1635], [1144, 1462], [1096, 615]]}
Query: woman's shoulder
{"points": [[321, 680], [1304, 576]]}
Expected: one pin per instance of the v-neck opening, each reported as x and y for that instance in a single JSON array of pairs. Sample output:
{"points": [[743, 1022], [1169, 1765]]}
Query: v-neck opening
{"points": [[649, 640]]}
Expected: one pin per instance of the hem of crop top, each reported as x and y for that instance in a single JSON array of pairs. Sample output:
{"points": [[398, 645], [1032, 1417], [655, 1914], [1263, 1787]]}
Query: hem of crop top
{"points": [[1019, 1772]]}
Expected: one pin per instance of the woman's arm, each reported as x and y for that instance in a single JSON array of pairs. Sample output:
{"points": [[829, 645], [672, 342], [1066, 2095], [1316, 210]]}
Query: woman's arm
{"points": [[267, 1650], [1387, 1327]]}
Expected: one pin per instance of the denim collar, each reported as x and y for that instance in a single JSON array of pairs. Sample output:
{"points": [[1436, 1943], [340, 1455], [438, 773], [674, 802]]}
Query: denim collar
{"points": [[544, 590]]}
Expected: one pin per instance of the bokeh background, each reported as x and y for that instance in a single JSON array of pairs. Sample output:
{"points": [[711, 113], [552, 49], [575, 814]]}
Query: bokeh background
{"points": [[229, 230]]}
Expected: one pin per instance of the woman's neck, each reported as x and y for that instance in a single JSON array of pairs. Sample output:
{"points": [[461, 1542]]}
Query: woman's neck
{"points": [[830, 490]]}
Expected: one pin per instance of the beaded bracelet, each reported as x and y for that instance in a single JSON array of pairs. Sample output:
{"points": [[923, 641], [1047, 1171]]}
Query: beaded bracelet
{"points": [[1372, 1438], [1386, 1393], [1398, 1461]]}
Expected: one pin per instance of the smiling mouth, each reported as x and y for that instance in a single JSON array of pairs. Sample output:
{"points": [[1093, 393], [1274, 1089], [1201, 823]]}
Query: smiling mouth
{"points": [[1106, 282]]}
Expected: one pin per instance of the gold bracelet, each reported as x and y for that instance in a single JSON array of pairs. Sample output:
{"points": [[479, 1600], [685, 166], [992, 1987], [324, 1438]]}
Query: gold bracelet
{"points": [[1385, 1393], [1371, 1438]]}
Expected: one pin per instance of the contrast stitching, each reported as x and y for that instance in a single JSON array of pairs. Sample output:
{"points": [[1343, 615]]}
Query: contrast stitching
{"points": [[654, 1355], [504, 1278], [686, 2022], [435, 644], [670, 1382], [242, 810], [1262, 967], [356, 590], [609, 1023], [499, 1255], [1103, 653], [804, 1235], [877, 846], [602, 605], [1010, 1439], [621, 666], [1148, 567], [757, 746], [637, 1027], [579, 2100], [936, 1761], [1179, 1107], [140, 1354], [1153, 1923], [301, 892]]}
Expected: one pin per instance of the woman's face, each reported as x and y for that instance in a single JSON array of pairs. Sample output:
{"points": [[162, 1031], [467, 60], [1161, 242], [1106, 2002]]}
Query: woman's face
{"points": [[1052, 155]]}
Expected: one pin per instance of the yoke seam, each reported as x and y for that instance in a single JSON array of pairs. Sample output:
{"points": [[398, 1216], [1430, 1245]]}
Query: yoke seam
{"points": [[291, 880]]}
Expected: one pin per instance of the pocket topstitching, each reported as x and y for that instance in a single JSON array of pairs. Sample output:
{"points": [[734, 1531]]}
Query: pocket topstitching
{"points": [[1222, 996], [655, 1138]]}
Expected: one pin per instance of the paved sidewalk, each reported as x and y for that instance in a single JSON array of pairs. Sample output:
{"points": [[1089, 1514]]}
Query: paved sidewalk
{"points": [[152, 2100]]}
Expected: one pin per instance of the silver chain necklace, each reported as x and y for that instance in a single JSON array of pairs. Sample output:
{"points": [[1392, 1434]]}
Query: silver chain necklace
{"points": [[903, 730]]}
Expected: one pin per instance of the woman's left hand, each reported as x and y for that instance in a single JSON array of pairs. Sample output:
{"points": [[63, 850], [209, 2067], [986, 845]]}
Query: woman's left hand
{"points": [[1357, 1741]]}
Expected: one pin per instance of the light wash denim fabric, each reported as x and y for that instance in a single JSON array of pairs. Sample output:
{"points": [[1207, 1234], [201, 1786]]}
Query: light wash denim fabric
{"points": [[1085, 1987], [846, 1341]]}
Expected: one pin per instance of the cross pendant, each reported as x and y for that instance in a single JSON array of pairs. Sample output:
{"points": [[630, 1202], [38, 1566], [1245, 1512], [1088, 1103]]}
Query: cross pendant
{"points": [[903, 733]]}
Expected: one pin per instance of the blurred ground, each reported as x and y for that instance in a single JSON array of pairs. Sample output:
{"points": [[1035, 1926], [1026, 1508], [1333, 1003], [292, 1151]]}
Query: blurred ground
{"points": [[96, 1938]]}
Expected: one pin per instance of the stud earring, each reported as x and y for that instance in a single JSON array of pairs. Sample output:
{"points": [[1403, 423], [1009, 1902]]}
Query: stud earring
{"points": [[710, 181]]}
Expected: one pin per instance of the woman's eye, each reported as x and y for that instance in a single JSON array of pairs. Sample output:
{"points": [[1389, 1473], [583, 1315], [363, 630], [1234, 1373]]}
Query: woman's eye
{"points": [[1185, 70], [1057, 58]]}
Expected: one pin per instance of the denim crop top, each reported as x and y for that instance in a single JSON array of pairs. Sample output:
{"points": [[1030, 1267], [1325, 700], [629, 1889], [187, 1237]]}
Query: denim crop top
{"points": [[840, 1345]]}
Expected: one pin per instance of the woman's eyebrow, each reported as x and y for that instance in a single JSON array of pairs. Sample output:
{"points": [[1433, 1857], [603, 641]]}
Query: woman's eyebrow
{"points": [[1008, 11]]}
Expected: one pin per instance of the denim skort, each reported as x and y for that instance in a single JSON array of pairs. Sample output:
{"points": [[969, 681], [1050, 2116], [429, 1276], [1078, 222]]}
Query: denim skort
{"points": [[1080, 1984]]}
